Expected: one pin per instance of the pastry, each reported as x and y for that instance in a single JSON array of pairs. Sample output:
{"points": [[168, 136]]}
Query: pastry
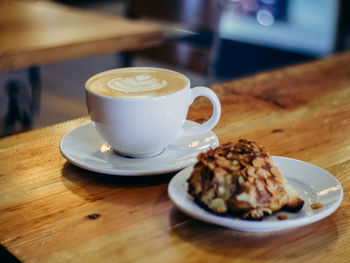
{"points": [[242, 179]]}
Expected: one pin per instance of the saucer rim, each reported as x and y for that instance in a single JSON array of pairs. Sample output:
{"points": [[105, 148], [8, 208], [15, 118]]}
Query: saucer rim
{"points": [[124, 172]]}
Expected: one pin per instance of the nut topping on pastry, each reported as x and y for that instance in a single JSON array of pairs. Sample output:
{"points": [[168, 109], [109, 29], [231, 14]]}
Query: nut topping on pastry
{"points": [[241, 179]]}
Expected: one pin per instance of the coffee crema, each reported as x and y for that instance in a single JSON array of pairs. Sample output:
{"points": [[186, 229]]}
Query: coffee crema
{"points": [[136, 82]]}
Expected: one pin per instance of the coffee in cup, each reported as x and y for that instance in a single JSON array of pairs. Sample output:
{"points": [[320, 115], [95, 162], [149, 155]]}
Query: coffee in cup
{"points": [[138, 111], [136, 83]]}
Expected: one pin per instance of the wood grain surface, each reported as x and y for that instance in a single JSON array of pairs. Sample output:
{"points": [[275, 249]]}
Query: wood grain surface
{"points": [[40, 32], [52, 211]]}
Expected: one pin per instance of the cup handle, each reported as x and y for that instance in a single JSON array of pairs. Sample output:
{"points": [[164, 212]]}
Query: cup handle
{"points": [[209, 124]]}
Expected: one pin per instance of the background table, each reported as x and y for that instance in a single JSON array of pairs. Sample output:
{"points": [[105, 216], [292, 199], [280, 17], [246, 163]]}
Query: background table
{"points": [[53, 211], [40, 32], [34, 33]]}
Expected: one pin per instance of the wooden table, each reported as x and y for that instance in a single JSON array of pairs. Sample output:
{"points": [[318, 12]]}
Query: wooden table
{"points": [[52, 211]]}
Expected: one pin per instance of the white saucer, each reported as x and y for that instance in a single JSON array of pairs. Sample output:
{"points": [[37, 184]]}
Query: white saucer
{"points": [[313, 184], [85, 148]]}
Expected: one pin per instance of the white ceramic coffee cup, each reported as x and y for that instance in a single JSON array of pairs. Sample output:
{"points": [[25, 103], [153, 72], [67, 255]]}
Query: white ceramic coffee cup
{"points": [[143, 127]]}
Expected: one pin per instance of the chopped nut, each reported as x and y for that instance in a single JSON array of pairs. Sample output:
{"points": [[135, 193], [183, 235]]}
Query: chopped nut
{"points": [[223, 162], [235, 165], [251, 171], [258, 162], [262, 172], [282, 217], [221, 191], [316, 205], [219, 174], [275, 171], [218, 205], [211, 166], [228, 179], [257, 214]]}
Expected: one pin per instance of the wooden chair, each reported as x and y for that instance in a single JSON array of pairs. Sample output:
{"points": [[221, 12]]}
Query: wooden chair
{"points": [[191, 32]]}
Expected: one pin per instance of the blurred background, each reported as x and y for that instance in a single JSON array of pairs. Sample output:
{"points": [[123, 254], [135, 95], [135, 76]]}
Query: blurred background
{"points": [[208, 40]]}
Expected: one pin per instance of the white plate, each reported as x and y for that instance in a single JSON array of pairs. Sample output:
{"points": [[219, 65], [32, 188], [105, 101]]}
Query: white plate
{"points": [[313, 184], [85, 148]]}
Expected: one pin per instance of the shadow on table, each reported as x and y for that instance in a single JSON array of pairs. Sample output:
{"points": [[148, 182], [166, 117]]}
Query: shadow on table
{"points": [[307, 241], [82, 176], [95, 186]]}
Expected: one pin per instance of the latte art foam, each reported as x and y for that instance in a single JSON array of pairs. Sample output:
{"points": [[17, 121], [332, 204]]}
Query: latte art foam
{"points": [[137, 82], [140, 83]]}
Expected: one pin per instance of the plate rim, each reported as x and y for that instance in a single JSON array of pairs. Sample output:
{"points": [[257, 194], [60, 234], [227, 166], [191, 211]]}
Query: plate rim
{"points": [[254, 226], [122, 172]]}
